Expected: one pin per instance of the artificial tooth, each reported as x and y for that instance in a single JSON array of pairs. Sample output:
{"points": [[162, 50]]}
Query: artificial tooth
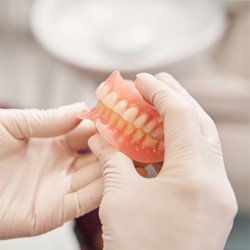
{"points": [[113, 118], [107, 113], [140, 121], [130, 114], [157, 133], [110, 100], [120, 107], [101, 109], [149, 127], [102, 91], [149, 141], [138, 135], [98, 105], [121, 124], [129, 129], [161, 145]]}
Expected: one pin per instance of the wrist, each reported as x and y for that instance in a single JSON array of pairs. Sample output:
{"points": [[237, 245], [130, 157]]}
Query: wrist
{"points": [[163, 239]]}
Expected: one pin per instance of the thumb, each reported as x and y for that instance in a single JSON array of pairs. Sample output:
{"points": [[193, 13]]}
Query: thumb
{"points": [[23, 124], [116, 165], [181, 120], [166, 101]]}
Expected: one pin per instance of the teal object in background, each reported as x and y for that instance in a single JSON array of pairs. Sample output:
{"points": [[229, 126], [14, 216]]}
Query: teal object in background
{"points": [[240, 234]]}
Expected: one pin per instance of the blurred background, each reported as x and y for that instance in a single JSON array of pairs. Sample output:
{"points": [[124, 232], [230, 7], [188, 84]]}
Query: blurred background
{"points": [[56, 52]]}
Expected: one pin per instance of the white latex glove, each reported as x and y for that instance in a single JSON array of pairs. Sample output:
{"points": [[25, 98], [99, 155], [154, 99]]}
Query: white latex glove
{"points": [[190, 205], [43, 181]]}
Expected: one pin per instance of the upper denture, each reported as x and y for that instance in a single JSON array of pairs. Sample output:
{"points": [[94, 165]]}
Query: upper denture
{"points": [[125, 115]]}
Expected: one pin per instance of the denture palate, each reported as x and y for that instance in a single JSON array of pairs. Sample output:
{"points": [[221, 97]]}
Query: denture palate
{"points": [[128, 119]]}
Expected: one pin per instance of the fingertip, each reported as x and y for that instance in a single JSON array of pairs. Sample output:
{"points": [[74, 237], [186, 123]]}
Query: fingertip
{"points": [[96, 143], [78, 137], [145, 81], [168, 80], [142, 78], [87, 128], [111, 159], [162, 75], [93, 139], [154, 91], [88, 124], [143, 84], [71, 112], [75, 107], [142, 75]]}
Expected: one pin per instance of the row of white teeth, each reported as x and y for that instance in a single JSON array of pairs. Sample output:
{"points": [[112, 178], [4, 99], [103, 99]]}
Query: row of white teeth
{"points": [[129, 114]]}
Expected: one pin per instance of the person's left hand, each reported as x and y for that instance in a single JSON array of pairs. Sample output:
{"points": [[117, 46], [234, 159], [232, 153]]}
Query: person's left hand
{"points": [[190, 199], [44, 182]]}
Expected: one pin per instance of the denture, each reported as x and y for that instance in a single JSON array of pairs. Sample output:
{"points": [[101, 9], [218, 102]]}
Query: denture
{"points": [[127, 121]]}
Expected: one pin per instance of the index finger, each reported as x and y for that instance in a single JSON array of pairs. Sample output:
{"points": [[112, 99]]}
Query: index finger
{"points": [[77, 139], [115, 164]]}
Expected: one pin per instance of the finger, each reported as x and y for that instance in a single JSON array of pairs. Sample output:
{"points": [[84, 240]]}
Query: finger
{"points": [[85, 175], [181, 121], [84, 160], [173, 83], [115, 164], [165, 100], [84, 200], [23, 124], [77, 139], [207, 125]]}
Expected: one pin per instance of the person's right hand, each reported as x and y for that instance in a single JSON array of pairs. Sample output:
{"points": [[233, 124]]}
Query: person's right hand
{"points": [[44, 182], [190, 204]]}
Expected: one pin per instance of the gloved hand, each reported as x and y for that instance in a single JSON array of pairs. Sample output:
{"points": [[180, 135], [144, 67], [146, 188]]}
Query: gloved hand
{"points": [[190, 204], [43, 181]]}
